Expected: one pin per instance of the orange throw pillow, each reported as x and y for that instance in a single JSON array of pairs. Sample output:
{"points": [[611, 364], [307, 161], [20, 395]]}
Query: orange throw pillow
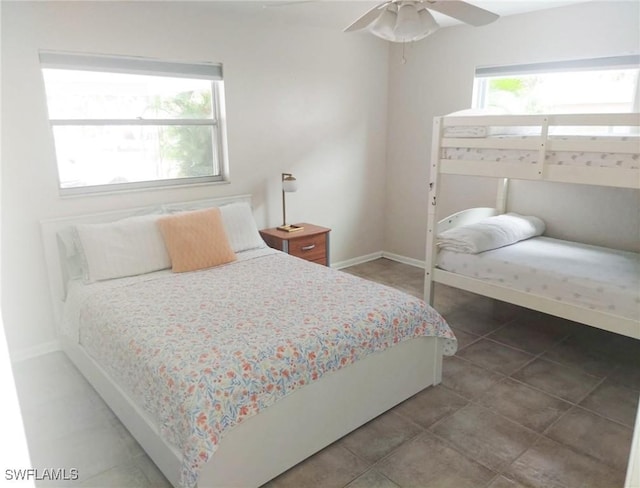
{"points": [[196, 240]]}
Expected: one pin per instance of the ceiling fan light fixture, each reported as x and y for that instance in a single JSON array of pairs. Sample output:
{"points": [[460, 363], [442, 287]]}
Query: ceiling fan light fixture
{"points": [[411, 20], [403, 22]]}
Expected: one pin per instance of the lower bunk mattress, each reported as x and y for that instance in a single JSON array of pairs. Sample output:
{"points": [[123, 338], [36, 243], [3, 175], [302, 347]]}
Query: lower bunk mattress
{"points": [[202, 351], [591, 277]]}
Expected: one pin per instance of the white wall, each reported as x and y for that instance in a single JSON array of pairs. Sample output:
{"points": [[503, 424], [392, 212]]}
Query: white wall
{"points": [[437, 79], [302, 99]]}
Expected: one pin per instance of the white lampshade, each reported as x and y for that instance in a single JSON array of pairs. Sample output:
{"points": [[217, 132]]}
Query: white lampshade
{"points": [[408, 22], [384, 25], [428, 24], [289, 184], [403, 22]]}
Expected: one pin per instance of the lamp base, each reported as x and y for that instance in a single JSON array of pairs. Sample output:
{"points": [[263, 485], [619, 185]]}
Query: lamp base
{"points": [[290, 228]]}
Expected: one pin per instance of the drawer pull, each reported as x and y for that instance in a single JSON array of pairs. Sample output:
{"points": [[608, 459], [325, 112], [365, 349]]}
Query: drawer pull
{"points": [[307, 248]]}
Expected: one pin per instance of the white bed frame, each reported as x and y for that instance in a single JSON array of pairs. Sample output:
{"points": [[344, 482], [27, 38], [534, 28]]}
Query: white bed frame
{"points": [[286, 433], [614, 177]]}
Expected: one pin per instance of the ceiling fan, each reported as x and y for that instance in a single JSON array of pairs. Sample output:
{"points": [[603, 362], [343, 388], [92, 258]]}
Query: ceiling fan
{"points": [[410, 20]]}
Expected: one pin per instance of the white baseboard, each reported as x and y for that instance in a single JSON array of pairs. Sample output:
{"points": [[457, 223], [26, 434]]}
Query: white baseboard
{"points": [[34, 351], [359, 260], [377, 255], [403, 259]]}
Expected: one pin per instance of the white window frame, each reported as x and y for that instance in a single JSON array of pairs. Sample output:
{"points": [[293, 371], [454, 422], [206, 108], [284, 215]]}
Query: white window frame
{"points": [[482, 74], [147, 66]]}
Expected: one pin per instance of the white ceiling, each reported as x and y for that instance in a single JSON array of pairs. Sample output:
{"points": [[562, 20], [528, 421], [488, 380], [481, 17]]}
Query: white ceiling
{"points": [[339, 14]]}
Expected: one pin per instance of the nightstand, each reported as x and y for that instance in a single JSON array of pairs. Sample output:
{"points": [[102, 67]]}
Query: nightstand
{"points": [[310, 243]]}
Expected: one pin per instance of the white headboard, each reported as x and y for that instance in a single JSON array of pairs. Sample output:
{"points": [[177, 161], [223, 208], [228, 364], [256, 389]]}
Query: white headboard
{"points": [[54, 253]]}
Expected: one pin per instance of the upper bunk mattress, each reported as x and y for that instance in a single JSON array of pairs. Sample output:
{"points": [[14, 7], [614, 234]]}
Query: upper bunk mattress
{"points": [[603, 159], [592, 277]]}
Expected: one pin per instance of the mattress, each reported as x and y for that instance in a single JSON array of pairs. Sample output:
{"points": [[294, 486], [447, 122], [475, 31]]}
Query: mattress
{"points": [[201, 352], [530, 156], [592, 277]]}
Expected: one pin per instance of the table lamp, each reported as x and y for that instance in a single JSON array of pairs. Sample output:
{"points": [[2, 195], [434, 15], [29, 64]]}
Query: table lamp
{"points": [[289, 185]]}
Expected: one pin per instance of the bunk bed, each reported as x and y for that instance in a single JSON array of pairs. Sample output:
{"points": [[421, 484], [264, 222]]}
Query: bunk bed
{"points": [[585, 283]]}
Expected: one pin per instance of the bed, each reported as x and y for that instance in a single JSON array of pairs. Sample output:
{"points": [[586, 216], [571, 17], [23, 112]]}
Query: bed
{"points": [[590, 284], [242, 370]]}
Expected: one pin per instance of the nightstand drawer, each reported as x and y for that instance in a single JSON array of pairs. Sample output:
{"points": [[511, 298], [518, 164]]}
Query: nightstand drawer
{"points": [[312, 248]]}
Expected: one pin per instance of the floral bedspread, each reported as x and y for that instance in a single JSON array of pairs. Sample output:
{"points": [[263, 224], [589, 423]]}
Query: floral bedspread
{"points": [[205, 350]]}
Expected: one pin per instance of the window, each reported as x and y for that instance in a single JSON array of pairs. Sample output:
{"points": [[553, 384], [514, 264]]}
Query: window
{"points": [[602, 85], [126, 123]]}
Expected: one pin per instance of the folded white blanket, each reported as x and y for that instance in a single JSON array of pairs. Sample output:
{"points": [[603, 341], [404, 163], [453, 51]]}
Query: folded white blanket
{"points": [[490, 233]]}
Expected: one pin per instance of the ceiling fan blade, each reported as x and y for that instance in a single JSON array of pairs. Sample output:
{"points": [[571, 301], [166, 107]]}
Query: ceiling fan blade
{"points": [[467, 13], [367, 18]]}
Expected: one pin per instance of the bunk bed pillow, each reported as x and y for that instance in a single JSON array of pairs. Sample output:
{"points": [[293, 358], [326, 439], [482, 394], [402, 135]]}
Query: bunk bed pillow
{"points": [[490, 233]]}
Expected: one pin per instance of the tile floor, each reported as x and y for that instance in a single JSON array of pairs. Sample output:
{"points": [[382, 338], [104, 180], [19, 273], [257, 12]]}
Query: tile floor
{"points": [[528, 401]]}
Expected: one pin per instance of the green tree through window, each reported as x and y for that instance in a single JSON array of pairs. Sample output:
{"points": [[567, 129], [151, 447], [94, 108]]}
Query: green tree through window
{"points": [[191, 147]]}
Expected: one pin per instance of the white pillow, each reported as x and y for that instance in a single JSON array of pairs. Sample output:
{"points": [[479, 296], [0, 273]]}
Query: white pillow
{"points": [[241, 228], [490, 233], [126, 247]]}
